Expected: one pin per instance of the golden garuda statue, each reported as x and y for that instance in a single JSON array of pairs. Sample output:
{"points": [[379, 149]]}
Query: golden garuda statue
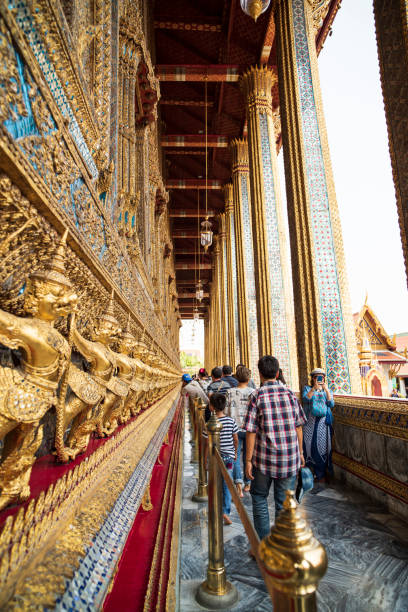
{"points": [[29, 390]]}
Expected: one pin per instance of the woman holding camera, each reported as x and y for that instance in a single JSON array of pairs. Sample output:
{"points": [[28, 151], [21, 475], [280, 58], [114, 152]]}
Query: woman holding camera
{"points": [[317, 432]]}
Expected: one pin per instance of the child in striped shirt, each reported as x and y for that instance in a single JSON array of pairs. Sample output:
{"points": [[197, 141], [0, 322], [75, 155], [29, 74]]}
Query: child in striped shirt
{"points": [[228, 447]]}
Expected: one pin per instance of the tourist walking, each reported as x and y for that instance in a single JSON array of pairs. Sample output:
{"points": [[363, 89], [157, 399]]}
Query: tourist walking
{"points": [[251, 383], [236, 407], [218, 383], [273, 423], [203, 379], [317, 433], [228, 447], [228, 377]]}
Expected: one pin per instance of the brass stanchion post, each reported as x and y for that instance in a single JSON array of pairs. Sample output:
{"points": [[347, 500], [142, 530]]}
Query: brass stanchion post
{"points": [[215, 593], [294, 561], [201, 495]]}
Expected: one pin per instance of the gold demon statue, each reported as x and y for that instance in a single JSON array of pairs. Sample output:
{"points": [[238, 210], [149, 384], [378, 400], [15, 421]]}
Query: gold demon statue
{"points": [[102, 362], [29, 390]]}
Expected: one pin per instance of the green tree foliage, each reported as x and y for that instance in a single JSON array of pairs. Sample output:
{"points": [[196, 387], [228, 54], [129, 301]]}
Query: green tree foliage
{"points": [[190, 362]]}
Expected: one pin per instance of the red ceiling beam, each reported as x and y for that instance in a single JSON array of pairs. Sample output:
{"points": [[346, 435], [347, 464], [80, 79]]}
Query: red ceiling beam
{"points": [[186, 26], [194, 140], [199, 103], [190, 213], [192, 266], [200, 72], [193, 184], [224, 56], [188, 152]]}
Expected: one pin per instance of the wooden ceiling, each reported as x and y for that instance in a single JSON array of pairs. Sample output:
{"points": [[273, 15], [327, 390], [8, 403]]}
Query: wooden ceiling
{"points": [[196, 42]]}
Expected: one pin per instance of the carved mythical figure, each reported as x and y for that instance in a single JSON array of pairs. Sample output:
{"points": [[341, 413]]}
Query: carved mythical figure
{"points": [[146, 396], [128, 346], [102, 362], [129, 372], [29, 390]]}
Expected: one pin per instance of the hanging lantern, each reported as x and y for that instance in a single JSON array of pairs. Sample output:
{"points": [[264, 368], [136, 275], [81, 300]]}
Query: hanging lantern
{"points": [[206, 234], [199, 291], [254, 8]]}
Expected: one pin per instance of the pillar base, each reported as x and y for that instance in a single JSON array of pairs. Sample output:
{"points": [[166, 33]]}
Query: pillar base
{"points": [[211, 601], [201, 495]]}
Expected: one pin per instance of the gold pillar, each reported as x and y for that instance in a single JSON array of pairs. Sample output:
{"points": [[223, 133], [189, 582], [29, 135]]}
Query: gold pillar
{"points": [[223, 285], [233, 324], [324, 326], [273, 291], [206, 340], [211, 350], [391, 23], [248, 336], [218, 329]]}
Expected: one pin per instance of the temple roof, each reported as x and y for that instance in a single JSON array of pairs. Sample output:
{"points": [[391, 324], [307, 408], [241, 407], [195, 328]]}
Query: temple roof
{"points": [[211, 41], [378, 337]]}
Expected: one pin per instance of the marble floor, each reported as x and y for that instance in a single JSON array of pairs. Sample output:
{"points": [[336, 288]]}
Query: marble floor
{"points": [[367, 549]]}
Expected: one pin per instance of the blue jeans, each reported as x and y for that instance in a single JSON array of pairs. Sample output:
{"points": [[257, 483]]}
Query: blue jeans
{"points": [[237, 464], [226, 495], [237, 473], [260, 486]]}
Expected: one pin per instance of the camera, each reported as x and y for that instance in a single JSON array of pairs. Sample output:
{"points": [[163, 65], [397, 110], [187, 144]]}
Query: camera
{"points": [[320, 378]]}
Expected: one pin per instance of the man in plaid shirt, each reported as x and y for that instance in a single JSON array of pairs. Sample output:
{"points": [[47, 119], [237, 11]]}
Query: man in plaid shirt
{"points": [[274, 442]]}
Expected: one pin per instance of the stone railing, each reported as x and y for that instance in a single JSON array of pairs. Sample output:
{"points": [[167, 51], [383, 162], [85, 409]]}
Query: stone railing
{"points": [[371, 448]]}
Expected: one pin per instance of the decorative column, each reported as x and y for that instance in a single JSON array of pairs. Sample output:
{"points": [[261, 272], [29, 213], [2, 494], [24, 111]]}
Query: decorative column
{"points": [[391, 23], [206, 340], [223, 286], [217, 337], [324, 327], [248, 336], [233, 324], [273, 290]]}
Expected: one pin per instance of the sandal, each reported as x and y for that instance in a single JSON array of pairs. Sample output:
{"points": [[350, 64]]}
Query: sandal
{"points": [[227, 520], [247, 488]]}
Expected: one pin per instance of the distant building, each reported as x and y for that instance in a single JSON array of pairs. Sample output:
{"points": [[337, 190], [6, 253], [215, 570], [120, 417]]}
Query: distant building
{"points": [[383, 360]]}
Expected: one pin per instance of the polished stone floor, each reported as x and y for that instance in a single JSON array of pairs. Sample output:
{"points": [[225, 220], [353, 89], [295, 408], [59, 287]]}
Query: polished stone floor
{"points": [[367, 549]]}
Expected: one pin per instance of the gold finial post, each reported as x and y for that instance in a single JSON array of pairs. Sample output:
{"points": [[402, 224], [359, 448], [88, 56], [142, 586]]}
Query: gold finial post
{"points": [[294, 561], [201, 495], [215, 593]]}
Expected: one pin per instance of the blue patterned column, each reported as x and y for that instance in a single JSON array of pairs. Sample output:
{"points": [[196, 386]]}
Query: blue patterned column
{"points": [[231, 268], [223, 290], [247, 313], [273, 290], [324, 328]]}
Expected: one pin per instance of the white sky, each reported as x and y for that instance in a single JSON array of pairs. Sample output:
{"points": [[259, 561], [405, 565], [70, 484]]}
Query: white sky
{"points": [[354, 111]]}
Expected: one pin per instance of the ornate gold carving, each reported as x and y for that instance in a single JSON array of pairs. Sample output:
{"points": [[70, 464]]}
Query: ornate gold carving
{"points": [[391, 23], [52, 166], [386, 417], [41, 545], [378, 479], [28, 391], [240, 170], [256, 84]]}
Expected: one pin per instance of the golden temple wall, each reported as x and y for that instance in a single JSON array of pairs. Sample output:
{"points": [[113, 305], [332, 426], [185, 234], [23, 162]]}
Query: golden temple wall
{"points": [[89, 322]]}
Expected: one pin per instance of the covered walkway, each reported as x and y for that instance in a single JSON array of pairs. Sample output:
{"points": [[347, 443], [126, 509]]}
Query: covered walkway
{"points": [[367, 548]]}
